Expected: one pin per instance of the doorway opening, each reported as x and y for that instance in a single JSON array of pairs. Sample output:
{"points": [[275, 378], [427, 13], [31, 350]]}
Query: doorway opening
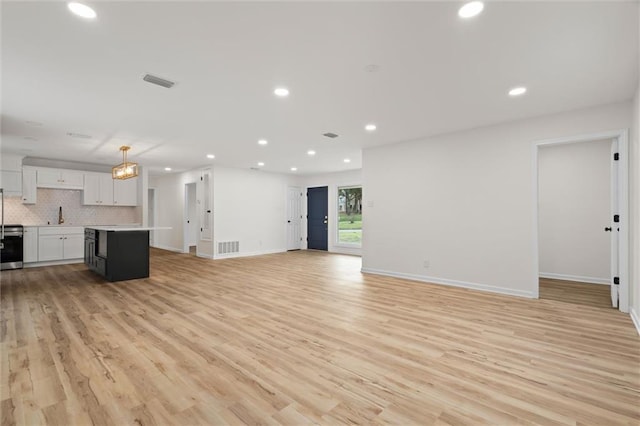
{"points": [[317, 218], [190, 224], [581, 220]]}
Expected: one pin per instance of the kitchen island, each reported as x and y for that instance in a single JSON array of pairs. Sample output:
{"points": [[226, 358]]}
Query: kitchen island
{"points": [[118, 253]]}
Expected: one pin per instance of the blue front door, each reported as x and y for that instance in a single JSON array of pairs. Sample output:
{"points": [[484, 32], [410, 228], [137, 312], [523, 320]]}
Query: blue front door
{"points": [[317, 218]]}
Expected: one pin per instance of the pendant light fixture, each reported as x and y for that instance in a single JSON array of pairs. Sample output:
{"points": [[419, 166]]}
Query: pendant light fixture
{"points": [[125, 170]]}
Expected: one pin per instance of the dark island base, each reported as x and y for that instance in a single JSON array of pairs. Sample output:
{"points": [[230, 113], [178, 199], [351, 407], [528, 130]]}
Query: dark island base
{"points": [[124, 256]]}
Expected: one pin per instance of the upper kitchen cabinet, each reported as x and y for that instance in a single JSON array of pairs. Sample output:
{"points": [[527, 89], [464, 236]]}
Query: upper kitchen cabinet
{"points": [[11, 174], [98, 189], [125, 192], [60, 179], [11, 181], [29, 188]]}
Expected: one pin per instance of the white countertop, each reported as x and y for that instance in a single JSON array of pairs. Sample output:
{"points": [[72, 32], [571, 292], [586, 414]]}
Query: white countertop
{"points": [[131, 228]]}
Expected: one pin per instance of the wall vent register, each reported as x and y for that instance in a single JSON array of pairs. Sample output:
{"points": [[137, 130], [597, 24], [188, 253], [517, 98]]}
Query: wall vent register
{"points": [[226, 247]]}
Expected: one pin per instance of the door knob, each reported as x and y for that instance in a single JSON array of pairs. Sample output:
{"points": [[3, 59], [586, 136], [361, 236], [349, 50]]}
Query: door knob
{"points": [[607, 229]]}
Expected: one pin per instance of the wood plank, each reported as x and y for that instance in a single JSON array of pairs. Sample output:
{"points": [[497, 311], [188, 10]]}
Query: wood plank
{"points": [[305, 338]]}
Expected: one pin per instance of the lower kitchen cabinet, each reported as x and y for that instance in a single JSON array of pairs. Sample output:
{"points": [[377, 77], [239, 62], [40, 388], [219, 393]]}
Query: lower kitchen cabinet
{"points": [[60, 243], [30, 244]]}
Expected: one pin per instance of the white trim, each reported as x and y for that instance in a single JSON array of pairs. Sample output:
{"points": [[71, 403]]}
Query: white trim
{"points": [[52, 263], [162, 247], [355, 251], [248, 254], [452, 283], [635, 318], [578, 278], [622, 136]]}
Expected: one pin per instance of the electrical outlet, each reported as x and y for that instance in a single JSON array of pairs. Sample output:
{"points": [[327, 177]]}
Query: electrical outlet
{"points": [[425, 264]]}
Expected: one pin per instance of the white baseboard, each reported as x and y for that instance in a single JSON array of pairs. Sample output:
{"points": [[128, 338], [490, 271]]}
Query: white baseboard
{"points": [[346, 250], [635, 318], [248, 254], [52, 263], [452, 283], [578, 278], [161, 247]]}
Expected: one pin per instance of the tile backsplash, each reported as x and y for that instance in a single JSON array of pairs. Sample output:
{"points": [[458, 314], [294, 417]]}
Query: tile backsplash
{"points": [[74, 213]]}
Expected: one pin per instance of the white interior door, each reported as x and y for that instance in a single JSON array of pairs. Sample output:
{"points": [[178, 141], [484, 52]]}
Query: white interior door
{"points": [[294, 217], [614, 227]]}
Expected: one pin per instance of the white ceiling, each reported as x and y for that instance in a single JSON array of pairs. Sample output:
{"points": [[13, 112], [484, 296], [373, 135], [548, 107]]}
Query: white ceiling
{"points": [[436, 73]]}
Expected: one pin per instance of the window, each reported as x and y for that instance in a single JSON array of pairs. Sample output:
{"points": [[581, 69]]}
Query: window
{"points": [[350, 215]]}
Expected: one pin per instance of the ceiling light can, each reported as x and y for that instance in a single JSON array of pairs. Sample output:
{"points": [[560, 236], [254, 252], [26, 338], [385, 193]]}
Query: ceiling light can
{"points": [[81, 10], [517, 91], [281, 92], [471, 9]]}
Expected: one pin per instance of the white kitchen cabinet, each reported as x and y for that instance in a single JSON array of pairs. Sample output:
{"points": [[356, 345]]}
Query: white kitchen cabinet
{"points": [[59, 179], [50, 247], [30, 244], [11, 182], [29, 188], [60, 243], [73, 246], [98, 189], [125, 192]]}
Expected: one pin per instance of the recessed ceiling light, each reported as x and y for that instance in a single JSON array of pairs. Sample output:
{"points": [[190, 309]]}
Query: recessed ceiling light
{"points": [[311, 152], [211, 156], [168, 169], [517, 91], [293, 169], [282, 92], [262, 142], [260, 163], [82, 10], [370, 127], [347, 160], [471, 9]]}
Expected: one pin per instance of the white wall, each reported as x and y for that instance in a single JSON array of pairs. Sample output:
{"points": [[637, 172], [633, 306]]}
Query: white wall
{"points": [[332, 181], [458, 209], [249, 207], [574, 195]]}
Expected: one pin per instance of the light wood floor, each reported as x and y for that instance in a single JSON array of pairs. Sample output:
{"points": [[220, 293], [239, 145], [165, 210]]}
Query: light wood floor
{"points": [[595, 295], [303, 337]]}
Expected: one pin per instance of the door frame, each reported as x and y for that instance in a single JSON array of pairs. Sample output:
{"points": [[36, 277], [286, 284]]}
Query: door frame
{"points": [[622, 136], [287, 214], [152, 234], [185, 215]]}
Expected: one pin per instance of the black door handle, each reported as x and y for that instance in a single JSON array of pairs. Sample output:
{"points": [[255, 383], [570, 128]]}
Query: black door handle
{"points": [[607, 229]]}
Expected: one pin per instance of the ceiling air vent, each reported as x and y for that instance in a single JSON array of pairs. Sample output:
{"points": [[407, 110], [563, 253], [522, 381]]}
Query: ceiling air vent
{"points": [[330, 135], [159, 81]]}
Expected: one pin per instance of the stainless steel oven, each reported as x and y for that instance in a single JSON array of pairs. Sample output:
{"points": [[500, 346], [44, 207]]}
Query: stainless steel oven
{"points": [[11, 253], [11, 242]]}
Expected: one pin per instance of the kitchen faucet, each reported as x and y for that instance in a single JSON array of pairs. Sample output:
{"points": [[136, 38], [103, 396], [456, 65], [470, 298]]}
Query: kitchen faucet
{"points": [[60, 218]]}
